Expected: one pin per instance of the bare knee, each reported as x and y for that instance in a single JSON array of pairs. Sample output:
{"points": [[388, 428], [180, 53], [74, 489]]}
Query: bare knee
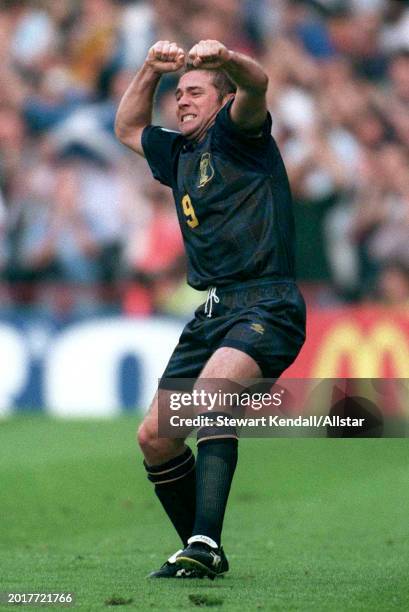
{"points": [[157, 450], [147, 437]]}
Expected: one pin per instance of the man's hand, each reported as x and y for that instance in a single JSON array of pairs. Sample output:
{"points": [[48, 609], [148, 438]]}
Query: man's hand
{"points": [[135, 109], [165, 56], [210, 54]]}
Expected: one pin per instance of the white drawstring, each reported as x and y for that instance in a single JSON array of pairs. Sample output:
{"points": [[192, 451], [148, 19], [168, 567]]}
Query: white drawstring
{"points": [[211, 296]]}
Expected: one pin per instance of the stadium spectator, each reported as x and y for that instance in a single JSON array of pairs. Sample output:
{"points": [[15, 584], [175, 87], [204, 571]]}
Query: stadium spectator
{"points": [[156, 263], [393, 287], [339, 97]]}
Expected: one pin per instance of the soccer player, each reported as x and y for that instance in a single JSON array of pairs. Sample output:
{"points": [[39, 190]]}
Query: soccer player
{"points": [[234, 207]]}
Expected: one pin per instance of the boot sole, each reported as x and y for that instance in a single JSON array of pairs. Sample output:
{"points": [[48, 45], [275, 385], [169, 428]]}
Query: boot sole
{"points": [[189, 563]]}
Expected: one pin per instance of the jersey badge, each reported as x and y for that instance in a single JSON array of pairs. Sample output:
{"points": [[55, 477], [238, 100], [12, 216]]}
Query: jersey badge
{"points": [[257, 327], [206, 170]]}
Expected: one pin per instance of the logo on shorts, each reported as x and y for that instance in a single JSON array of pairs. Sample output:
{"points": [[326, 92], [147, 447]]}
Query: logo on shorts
{"points": [[257, 327], [206, 170]]}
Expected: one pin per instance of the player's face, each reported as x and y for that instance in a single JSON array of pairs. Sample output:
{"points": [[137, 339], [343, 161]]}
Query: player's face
{"points": [[197, 102]]}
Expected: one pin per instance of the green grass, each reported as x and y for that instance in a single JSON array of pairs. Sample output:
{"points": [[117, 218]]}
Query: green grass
{"points": [[312, 524]]}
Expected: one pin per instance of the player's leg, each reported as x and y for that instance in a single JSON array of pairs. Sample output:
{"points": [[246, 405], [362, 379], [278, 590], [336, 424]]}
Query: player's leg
{"points": [[170, 463], [217, 456], [157, 450], [266, 325], [170, 466], [216, 463]]}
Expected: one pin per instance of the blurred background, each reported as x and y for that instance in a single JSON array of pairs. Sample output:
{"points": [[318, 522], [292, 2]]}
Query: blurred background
{"points": [[92, 289]]}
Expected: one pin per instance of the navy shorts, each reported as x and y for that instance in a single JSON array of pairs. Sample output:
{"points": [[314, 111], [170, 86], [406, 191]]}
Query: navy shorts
{"points": [[263, 318]]}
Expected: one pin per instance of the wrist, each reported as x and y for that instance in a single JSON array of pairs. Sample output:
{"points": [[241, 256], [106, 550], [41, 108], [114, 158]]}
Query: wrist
{"points": [[246, 73], [149, 71], [230, 66], [230, 58]]}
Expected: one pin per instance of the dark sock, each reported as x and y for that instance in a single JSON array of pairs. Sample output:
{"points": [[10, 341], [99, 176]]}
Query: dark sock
{"points": [[175, 487], [215, 466]]}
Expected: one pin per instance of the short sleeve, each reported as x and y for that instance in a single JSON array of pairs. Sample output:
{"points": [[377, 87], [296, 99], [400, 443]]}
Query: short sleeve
{"points": [[160, 147], [229, 129], [246, 147]]}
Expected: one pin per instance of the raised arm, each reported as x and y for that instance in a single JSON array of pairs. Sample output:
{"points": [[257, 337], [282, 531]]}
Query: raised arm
{"points": [[249, 108], [135, 109]]}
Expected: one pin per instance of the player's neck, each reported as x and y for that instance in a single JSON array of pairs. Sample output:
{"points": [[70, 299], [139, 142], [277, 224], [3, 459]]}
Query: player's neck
{"points": [[199, 134]]}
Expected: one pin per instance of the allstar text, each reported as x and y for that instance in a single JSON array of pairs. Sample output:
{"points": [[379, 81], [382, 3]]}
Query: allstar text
{"points": [[265, 421]]}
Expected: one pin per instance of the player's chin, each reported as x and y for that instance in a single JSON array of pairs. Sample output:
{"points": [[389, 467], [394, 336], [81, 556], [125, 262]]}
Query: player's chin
{"points": [[188, 128]]}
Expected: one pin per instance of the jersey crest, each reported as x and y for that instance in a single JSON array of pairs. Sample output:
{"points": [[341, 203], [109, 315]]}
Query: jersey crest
{"points": [[206, 170]]}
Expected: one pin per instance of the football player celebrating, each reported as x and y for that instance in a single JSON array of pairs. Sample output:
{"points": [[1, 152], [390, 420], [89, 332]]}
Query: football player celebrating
{"points": [[234, 207]]}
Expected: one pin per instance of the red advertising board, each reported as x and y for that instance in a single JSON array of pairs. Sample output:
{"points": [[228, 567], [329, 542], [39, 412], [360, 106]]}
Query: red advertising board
{"points": [[364, 342]]}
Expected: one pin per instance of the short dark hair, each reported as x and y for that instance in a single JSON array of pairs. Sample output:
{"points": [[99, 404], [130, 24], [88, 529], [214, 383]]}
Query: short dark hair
{"points": [[221, 81]]}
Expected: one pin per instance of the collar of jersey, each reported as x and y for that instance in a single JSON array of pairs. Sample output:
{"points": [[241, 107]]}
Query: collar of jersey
{"points": [[190, 145]]}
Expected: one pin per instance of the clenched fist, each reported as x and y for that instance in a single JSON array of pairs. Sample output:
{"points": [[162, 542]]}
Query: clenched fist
{"points": [[209, 54], [165, 56]]}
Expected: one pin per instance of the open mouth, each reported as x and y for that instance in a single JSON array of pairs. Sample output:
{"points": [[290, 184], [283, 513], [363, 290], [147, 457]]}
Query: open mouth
{"points": [[189, 117]]}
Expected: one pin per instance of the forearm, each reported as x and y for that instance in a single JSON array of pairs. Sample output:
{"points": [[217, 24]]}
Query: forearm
{"points": [[135, 108], [246, 73], [249, 108]]}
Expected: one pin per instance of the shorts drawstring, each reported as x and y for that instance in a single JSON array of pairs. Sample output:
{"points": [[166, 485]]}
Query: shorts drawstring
{"points": [[211, 297]]}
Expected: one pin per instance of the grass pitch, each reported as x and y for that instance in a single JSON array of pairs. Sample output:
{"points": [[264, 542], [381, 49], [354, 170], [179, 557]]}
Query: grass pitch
{"points": [[311, 525]]}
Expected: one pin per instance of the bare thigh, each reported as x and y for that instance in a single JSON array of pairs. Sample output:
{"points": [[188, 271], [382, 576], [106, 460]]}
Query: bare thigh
{"points": [[228, 370], [232, 364]]}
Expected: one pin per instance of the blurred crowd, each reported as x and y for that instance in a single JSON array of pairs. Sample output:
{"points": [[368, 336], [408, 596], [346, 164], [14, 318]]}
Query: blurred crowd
{"points": [[77, 210]]}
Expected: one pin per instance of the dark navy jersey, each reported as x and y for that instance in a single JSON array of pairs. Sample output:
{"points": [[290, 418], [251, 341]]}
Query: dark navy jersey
{"points": [[232, 198]]}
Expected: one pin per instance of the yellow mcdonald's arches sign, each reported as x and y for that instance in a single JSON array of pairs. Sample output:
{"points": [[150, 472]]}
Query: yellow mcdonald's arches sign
{"points": [[365, 351]]}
